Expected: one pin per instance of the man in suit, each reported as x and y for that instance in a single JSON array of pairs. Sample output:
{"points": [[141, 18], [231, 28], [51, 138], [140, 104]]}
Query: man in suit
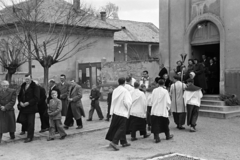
{"points": [[28, 99], [42, 109], [75, 108], [53, 86], [63, 86], [7, 116]]}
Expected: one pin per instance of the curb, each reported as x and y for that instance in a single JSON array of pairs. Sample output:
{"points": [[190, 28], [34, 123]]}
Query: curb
{"points": [[37, 137]]}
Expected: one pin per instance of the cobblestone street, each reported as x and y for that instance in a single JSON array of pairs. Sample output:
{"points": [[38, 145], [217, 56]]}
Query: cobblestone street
{"points": [[215, 139]]}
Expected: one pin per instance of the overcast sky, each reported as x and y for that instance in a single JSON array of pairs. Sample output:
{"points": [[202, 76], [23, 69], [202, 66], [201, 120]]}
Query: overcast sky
{"points": [[136, 10]]}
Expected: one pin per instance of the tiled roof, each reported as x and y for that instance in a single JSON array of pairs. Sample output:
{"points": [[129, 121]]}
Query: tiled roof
{"points": [[135, 31], [49, 13]]}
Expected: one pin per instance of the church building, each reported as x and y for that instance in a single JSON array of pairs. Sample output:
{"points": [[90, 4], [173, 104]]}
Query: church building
{"points": [[202, 27]]}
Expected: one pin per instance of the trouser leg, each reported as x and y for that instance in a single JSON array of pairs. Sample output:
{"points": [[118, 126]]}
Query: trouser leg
{"points": [[31, 125], [142, 133], [133, 134], [91, 111], [194, 116], [79, 122], [69, 117], [52, 128], [108, 112], [44, 120], [98, 109], [1, 137], [12, 134], [156, 136], [60, 127], [120, 134]]}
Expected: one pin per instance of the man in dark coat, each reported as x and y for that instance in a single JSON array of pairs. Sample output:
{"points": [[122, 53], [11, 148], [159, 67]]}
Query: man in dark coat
{"points": [[28, 99], [7, 116], [75, 108], [42, 109], [200, 78], [109, 102], [94, 96], [53, 86]]}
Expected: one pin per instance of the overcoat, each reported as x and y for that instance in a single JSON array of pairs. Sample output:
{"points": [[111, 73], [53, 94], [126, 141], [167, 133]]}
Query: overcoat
{"points": [[176, 94], [200, 79], [7, 118], [75, 92], [64, 88]]}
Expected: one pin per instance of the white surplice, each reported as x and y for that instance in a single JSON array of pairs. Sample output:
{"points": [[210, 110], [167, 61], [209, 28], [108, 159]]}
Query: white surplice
{"points": [[160, 102], [193, 97], [128, 87], [139, 104], [121, 102]]}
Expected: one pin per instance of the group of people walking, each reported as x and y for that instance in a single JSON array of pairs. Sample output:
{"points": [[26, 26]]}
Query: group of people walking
{"points": [[133, 108]]}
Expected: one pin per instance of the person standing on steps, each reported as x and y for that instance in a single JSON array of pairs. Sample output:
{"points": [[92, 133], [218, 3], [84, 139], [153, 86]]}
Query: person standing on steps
{"points": [[121, 103], [28, 99], [94, 96], [7, 115], [160, 112]]}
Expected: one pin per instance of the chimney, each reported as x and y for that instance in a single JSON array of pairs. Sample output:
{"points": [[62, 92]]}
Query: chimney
{"points": [[76, 4], [103, 16]]}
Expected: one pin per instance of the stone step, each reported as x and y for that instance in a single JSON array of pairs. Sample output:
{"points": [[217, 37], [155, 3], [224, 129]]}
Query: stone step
{"points": [[212, 102], [219, 114], [210, 97], [219, 108]]}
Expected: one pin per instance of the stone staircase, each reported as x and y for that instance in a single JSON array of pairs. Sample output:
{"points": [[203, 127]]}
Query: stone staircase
{"points": [[212, 107]]}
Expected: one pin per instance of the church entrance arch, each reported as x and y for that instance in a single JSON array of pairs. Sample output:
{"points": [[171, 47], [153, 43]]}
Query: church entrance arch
{"points": [[205, 35]]}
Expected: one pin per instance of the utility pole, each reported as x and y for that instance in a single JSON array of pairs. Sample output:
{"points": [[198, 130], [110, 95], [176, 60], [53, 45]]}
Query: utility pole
{"points": [[29, 56]]}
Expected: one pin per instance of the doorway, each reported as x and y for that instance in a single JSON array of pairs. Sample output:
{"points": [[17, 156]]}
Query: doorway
{"points": [[89, 74], [212, 73]]}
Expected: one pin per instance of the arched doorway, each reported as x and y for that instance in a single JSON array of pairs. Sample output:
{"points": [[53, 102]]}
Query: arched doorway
{"points": [[205, 46], [217, 38]]}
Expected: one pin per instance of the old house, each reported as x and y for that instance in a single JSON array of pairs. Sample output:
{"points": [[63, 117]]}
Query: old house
{"points": [[103, 47]]}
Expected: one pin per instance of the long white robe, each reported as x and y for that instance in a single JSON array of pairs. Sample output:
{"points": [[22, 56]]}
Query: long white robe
{"points": [[176, 94], [121, 102], [160, 102], [139, 104]]}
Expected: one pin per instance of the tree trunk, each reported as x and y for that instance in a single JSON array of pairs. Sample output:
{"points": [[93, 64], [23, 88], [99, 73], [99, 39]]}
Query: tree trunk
{"points": [[45, 81], [9, 77]]}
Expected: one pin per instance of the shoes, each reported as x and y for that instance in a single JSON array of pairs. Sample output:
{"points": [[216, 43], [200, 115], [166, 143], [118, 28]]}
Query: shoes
{"points": [[63, 137], [192, 129], [181, 127], [133, 139], [114, 146], [169, 137], [157, 140], [107, 119], [66, 127], [44, 130], [126, 144], [22, 133], [79, 127], [147, 135], [50, 139], [28, 140], [100, 119], [89, 119]]}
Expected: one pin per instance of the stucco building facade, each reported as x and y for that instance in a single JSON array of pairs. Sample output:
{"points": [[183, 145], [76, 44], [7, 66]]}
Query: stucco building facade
{"points": [[197, 27]]}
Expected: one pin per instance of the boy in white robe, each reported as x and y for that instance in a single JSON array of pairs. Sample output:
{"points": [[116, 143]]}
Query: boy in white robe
{"points": [[120, 106], [160, 112], [138, 113], [178, 107], [192, 99]]}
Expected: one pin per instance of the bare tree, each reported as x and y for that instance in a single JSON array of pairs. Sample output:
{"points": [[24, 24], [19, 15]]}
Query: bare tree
{"points": [[46, 28], [11, 56], [111, 10]]}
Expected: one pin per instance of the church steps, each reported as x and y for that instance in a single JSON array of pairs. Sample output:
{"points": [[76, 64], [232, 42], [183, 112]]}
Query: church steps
{"points": [[219, 114], [212, 106], [218, 108]]}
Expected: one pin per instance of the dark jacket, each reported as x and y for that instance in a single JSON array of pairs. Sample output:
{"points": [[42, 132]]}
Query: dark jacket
{"points": [[95, 94], [200, 79], [42, 106], [109, 98], [55, 108], [55, 88], [31, 95]]}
